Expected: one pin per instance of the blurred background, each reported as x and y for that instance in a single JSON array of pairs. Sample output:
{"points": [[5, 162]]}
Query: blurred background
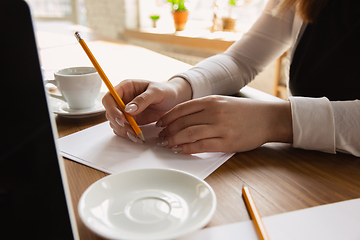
{"points": [[211, 27]]}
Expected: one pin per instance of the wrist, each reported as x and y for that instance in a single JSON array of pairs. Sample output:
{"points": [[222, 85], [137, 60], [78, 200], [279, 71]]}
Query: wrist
{"points": [[280, 127], [182, 89]]}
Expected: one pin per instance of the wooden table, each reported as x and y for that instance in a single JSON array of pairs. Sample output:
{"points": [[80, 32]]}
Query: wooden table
{"points": [[281, 178]]}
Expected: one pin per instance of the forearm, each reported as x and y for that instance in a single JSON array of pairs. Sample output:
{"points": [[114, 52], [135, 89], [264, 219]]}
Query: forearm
{"points": [[319, 124], [182, 89], [347, 126], [226, 73], [313, 124]]}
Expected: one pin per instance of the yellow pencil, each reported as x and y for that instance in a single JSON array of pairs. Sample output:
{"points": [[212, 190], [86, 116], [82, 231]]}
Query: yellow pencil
{"points": [[108, 84], [254, 213]]}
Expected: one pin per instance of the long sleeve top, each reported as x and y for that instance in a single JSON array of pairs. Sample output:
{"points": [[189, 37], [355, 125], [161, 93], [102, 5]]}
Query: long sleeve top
{"points": [[318, 123]]}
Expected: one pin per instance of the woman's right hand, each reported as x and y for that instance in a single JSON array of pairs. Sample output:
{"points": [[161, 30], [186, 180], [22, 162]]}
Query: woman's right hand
{"points": [[146, 101]]}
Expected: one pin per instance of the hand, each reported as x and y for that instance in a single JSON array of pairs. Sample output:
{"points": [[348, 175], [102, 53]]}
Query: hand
{"points": [[225, 124], [146, 101]]}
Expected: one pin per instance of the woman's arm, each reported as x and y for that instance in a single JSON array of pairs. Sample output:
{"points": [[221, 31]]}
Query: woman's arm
{"points": [[226, 73], [328, 126]]}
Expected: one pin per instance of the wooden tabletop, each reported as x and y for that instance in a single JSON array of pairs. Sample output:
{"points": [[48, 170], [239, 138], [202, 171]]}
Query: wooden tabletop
{"points": [[281, 178]]}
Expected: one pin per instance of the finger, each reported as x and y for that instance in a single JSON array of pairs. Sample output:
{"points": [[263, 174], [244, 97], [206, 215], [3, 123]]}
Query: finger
{"points": [[112, 109], [117, 123], [121, 132], [126, 132], [183, 123], [191, 134], [127, 90], [180, 110], [204, 145]]}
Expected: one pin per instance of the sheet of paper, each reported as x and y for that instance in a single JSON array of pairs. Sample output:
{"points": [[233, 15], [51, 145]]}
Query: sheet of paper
{"points": [[99, 148], [328, 222]]}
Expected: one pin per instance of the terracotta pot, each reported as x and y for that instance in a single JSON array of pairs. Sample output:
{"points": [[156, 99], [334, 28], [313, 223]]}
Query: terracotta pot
{"points": [[180, 19], [228, 24]]}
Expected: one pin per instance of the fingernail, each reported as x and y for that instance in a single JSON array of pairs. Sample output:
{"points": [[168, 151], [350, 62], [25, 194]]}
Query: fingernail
{"points": [[121, 123], [177, 149], [159, 123], [131, 108], [161, 134], [163, 143], [133, 138]]}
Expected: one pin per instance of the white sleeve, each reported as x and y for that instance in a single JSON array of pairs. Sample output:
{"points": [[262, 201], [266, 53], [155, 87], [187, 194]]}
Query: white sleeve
{"points": [[319, 124], [347, 126], [228, 72]]}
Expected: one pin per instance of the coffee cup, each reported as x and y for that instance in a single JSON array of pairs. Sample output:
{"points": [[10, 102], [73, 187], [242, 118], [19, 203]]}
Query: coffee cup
{"points": [[78, 86]]}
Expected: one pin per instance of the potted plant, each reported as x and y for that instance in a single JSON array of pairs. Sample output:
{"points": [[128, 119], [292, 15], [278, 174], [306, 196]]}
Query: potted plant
{"points": [[154, 19], [228, 22], [180, 14]]}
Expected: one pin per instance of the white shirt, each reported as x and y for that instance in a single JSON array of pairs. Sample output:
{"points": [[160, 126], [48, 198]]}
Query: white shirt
{"points": [[318, 124]]}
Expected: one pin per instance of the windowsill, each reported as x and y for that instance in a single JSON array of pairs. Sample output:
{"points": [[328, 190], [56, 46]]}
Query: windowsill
{"points": [[195, 38], [199, 39]]}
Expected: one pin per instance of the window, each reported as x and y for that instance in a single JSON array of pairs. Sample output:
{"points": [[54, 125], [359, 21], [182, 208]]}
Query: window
{"points": [[201, 13], [51, 9], [62, 10]]}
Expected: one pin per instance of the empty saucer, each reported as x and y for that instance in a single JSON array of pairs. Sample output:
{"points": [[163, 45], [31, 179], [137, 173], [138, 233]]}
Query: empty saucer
{"points": [[147, 204]]}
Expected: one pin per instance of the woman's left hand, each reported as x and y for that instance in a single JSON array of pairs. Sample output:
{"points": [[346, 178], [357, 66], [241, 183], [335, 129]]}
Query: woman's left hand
{"points": [[225, 124]]}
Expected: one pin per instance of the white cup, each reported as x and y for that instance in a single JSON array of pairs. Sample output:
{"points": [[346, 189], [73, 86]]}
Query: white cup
{"points": [[79, 86]]}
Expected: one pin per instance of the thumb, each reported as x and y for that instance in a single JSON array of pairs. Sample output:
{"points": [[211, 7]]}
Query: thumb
{"points": [[140, 102]]}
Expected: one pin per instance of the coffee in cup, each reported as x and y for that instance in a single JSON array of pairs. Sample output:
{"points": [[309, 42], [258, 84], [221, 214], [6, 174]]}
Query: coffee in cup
{"points": [[78, 86]]}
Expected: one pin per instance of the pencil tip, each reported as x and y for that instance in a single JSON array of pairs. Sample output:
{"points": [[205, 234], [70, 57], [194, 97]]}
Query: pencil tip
{"points": [[141, 136]]}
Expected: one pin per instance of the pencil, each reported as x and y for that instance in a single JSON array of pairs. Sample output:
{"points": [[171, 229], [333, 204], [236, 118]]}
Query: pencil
{"points": [[111, 88], [254, 213]]}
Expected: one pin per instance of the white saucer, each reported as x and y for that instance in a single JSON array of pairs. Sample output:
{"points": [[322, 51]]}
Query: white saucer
{"points": [[60, 107], [147, 204]]}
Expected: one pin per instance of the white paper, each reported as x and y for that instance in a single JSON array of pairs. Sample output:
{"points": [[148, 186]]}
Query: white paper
{"points": [[99, 148], [335, 221]]}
